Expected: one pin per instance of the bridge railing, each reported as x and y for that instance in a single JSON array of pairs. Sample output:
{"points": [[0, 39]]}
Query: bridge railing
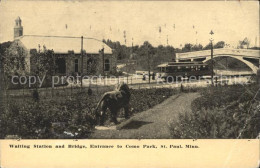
{"points": [[234, 52]]}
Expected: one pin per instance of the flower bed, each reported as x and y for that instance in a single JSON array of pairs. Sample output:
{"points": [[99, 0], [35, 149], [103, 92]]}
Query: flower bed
{"points": [[66, 117]]}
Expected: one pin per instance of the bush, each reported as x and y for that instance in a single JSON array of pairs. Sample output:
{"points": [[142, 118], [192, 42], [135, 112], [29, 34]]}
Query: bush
{"points": [[35, 119], [144, 99], [66, 117], [221, 112]]}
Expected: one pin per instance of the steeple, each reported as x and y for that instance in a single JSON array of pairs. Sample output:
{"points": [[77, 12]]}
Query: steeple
{"points": [[18, 28]]}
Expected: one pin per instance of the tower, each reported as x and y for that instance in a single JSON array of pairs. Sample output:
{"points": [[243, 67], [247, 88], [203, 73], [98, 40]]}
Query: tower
{"points": [[18, 28]]}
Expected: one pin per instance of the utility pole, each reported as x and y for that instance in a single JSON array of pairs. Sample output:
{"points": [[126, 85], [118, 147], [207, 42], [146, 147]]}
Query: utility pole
{"points": [[125, 36], [212, 67], [127, 70], [81, 79], [103, 57], [38, 65], [103, 60]]}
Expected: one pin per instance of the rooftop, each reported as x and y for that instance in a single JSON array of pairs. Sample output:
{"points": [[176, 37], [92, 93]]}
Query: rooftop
{"points": [[64, 44]]}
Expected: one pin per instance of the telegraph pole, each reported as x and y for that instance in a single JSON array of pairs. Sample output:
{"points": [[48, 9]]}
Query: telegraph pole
{"points": [[81, 83], [103, 59], [38, 64], [212, 66]]}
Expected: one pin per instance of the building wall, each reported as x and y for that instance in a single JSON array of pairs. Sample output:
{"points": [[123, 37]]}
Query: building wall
{"points": [[92, 63]]}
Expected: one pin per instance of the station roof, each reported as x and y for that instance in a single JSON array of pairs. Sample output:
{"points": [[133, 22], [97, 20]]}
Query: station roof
{"points": [[64, 44]]}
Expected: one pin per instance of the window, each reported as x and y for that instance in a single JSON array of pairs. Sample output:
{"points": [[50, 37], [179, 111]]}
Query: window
{"points": [[107, 65], [163, 69], [175, 69], [199, 68], [89, 64], [61, 65], [76, 65]]}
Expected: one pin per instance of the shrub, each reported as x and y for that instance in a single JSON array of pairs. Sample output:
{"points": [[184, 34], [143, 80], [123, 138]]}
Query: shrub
{"points": [[221, 112], [66, 117]]}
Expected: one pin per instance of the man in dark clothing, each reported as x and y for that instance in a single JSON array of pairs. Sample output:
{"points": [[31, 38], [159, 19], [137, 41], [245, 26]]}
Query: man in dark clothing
{"points": [[153, 76]]}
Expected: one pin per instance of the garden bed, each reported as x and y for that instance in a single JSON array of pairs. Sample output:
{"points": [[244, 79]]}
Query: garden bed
{"points": [[66, 117], [221, 112]]}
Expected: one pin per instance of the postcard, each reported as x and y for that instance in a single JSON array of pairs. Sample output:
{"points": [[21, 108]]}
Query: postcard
{"points": [[129, 84]]}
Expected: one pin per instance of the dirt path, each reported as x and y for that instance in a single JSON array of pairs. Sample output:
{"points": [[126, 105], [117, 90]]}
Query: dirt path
{"points": [[152, 123]]}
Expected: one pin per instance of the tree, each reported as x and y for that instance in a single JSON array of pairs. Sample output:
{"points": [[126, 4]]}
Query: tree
{"points": [[197, 47], [12, 62], [187, 47], [145, 54], [244, 43], [207, 47], [122, 52], [219, 44], [43, 65], [141, 53]]}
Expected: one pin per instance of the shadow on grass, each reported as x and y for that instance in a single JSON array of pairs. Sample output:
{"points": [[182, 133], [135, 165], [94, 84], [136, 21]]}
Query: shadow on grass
{"points": [[135, 124]]}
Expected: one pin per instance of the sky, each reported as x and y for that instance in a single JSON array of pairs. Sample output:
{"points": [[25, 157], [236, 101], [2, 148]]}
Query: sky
{"points": [[179, 21]]}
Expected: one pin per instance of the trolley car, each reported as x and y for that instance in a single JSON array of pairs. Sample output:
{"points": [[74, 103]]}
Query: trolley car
{"points": [[177, 70]]}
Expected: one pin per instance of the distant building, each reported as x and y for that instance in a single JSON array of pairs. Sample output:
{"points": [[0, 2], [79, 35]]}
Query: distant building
{"points": [[67, 52]]}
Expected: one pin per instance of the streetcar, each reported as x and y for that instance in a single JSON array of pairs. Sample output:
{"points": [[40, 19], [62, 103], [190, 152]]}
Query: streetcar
{"points": [[177, 70]]}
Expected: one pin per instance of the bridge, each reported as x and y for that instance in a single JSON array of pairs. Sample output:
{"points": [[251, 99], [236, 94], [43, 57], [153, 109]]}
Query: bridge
{"points": [[250, 57]]}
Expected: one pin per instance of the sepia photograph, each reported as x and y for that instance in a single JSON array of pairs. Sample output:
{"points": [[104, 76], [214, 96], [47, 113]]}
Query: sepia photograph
{"points": [[129, 70]]}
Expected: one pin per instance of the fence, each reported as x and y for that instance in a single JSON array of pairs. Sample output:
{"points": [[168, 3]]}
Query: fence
{"points": [[101, 85]]}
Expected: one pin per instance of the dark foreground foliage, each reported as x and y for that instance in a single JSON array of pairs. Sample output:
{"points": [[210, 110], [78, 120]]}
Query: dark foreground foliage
{"points": [[221, 112], [65, 117]]}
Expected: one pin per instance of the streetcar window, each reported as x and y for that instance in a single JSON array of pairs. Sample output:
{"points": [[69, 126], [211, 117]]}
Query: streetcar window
{"points": [[174, 69], [163, 69]]}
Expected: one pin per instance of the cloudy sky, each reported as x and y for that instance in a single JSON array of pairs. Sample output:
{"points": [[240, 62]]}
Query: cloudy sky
{"points": [[180, 21]]}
